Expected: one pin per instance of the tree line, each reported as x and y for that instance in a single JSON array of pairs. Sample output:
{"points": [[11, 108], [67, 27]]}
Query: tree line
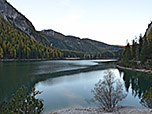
{"points": [[139, 53]]}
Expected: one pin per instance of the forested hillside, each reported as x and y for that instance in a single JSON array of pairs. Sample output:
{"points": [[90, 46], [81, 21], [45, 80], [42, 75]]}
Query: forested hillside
{"points": [[139, 54], [16, 44]]}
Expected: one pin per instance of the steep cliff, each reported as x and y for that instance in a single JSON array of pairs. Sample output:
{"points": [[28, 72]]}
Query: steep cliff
{"points": [[10, 14], [148, 33]]}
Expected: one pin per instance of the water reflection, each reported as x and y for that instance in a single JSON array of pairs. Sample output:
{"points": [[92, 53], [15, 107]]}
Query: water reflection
{"points": [[15, 74], [139, 82], [69, 90], [12, 76], [67, 83]]}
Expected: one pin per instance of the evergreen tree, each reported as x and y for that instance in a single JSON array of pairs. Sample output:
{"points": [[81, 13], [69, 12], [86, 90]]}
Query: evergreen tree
{"points": [[150, 49], [127, 53], [134, 47], [139, 46], [144, 51], [137, 53]]}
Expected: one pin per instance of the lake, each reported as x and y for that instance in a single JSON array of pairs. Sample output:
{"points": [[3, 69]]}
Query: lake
{"points": [[67, 83]]}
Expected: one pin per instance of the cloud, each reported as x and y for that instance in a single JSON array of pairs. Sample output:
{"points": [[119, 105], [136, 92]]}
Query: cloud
{"points": [[66, 92]]}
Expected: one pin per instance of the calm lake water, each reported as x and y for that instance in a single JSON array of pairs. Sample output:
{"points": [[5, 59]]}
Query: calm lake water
{"points": [[67, 83]]}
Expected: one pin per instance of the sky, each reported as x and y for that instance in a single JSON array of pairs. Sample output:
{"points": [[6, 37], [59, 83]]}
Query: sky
{"points": [[109, 21]]}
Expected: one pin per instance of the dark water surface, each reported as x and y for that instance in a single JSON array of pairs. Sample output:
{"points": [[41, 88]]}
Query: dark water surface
{"points": [[67, 83]]}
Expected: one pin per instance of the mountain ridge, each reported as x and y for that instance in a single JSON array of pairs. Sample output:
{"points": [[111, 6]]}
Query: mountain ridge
{"points": [[74, 43]]}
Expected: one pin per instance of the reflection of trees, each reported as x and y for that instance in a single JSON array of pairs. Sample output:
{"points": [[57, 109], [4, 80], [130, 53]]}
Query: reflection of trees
{"points": [[12, 79], [15, 74], [138, 81]]}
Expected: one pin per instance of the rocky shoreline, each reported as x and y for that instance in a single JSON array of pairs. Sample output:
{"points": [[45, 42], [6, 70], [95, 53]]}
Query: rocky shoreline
{"points": [[134, 69], [95, 110]]}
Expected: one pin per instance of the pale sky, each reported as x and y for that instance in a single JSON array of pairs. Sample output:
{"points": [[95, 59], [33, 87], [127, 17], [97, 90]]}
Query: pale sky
{"points": [[109, 21]]}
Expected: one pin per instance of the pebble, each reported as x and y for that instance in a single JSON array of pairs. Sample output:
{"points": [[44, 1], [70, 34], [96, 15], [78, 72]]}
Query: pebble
{"points": [[95, 110]]}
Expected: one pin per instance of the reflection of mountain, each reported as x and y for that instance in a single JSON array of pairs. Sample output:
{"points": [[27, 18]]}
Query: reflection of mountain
{"points": [[20, 74], [101, 66], [139, 82]]}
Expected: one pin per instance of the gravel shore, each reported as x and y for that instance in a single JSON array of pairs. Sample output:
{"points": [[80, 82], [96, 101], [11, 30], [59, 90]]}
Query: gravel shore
{"points": [[93, 110], [134, 69]]}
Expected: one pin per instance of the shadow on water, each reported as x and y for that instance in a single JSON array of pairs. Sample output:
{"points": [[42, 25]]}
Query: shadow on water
{"points": [[139, 82], [101, 66], [15, 74]]}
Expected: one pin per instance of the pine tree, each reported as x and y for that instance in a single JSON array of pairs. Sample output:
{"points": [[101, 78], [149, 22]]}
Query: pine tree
{"points": [[127, 53], [140, 45], [150, 49], [144, 51], [134, 47]]}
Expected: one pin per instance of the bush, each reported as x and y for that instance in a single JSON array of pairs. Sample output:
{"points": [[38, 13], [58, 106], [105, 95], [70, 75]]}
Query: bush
{"points": [[22, 103], [108, 92], [147, 99]]}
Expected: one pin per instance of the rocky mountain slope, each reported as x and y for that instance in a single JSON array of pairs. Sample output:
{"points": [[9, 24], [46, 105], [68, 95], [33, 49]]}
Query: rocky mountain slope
{"points": [[148, 33], [15, 44], [76, 44], [10, 14]]}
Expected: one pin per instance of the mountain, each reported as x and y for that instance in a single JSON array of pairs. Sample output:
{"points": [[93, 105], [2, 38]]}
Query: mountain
{"points": [[15, 44], [103, 47], [14, 17], [41, 43], [76, 44]]}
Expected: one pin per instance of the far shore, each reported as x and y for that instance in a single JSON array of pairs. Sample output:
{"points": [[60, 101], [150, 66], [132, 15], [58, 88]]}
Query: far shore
{"points": [[134, 69], [5, 60], [9, 60]]}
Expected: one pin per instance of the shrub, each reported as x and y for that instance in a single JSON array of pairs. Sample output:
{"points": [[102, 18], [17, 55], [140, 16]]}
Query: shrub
{"points": [[147, 99], [108, 92], [22, 103]]}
